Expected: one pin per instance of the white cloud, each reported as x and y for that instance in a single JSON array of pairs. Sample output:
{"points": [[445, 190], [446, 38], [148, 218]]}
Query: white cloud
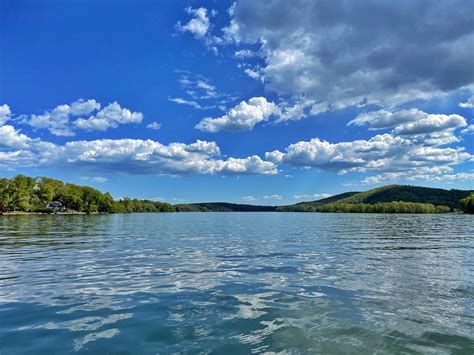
{"points": [[436, 174], [57, 121], [468, 130], [469, 103], [198, 25], [245, 53], [383, 119], [110, 116], [201, 84], [151, 157], [299, 109], [242, 117], [454, 177], [154, 125], [272, 197], [425, 128], [359, 53], [132, 156], [409, 122], [249, 198], [5, 113], [12, 138], [82, 107], [198, 87], [19, 150], [275, 197], [380, 153], [95, 179], [431, 124], [181, 101], [254, 74], [312, 196]]}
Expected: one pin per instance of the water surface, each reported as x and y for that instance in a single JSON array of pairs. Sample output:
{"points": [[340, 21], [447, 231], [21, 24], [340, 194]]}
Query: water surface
{"points": [[229, 283]]}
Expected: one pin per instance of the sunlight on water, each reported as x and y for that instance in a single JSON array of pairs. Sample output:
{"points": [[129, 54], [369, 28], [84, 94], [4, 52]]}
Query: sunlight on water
{"points": [[237, 283]]}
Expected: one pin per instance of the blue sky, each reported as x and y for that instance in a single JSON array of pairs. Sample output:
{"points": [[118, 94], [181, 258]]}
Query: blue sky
{"points": [[257, 102]]}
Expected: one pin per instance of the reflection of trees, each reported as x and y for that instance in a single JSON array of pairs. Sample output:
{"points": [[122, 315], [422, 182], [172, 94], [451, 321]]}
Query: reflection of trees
{"points": [[46, 230]]}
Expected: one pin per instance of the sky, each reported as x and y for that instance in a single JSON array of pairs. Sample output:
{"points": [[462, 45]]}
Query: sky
{"points": [[261, 102]]}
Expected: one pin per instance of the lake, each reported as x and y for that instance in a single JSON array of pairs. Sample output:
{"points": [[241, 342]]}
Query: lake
{"points": [[230, 283]]}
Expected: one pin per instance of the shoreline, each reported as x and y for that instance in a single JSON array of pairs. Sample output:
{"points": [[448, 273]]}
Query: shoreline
{"points": [[20, 213], [127, 213]]}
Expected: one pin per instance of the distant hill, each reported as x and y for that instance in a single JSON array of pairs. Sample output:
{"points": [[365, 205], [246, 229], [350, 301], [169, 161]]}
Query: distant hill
{"points": [[222, 207], [389, 194], [330, 199]]}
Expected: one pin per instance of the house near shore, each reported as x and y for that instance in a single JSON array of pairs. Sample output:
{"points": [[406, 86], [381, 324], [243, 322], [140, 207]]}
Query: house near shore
{"points": [[56, 206]]}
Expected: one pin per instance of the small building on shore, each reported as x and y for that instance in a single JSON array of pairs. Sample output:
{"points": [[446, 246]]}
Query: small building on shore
{"points": [[56, 206]]}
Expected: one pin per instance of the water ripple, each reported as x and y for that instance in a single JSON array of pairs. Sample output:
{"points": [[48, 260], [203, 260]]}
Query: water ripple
{"points": [[237, 283]]}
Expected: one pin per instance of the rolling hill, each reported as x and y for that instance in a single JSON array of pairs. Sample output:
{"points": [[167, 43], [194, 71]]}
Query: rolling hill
{"points": [[388, 194]]}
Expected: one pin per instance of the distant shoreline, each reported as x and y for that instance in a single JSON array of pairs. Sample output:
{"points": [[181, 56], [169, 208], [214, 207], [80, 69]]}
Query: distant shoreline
{"points": [[23, 195], [20, 213], [6, 214]]}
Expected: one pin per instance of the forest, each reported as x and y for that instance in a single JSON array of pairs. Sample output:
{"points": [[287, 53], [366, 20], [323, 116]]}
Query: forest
{"points": [[379, 207], [28, 194], [467, 204]]}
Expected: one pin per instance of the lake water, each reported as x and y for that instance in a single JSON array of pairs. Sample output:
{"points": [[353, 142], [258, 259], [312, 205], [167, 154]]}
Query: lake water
{"points": [[228, 283]]}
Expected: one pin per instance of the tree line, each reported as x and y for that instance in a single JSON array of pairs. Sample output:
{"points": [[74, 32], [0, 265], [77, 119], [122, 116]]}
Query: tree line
{"points": [[28, 194], [380, 207], [467, 204]]}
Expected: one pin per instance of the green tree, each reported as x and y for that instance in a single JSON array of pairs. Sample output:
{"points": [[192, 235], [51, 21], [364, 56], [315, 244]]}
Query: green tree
{"points": [[467, 204]]}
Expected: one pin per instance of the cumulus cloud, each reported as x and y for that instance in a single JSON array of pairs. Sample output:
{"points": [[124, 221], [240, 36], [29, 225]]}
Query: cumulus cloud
{"points": [[55, 121], [13, 138], [358, 53], [110, 116], [242, 117], [5, 113], [198, 25], [469, 103], [58, 121], [154, 125], [82, 107], [431, 124], [19, 150], [383, 119], [151, 157], [422, 127], [94, 179], [380, 153], [438, 174], [468, 130], [300, 108], [409, 122], [131, 156]]}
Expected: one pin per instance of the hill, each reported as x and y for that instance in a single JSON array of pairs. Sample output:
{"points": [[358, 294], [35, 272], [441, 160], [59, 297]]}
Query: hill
{"points": [[330, 199], [389, 194], [222, 207]]}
